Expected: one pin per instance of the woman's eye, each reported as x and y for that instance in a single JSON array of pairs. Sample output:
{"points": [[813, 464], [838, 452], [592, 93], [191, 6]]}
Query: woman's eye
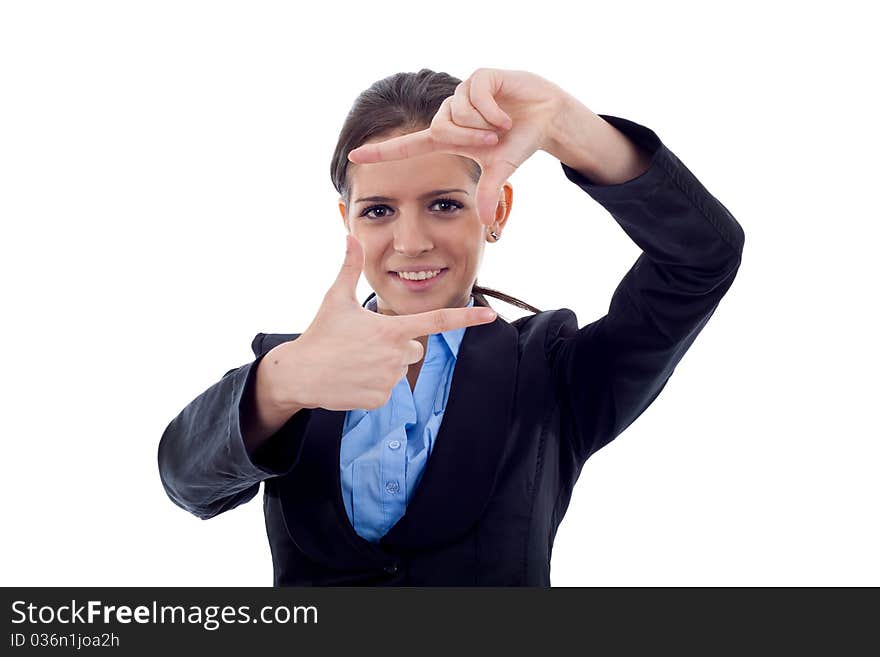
{"points": [[448, 201], [366, 212]]}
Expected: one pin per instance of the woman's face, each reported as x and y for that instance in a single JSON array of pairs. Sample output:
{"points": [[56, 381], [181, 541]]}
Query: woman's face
{"points": [[412, 226]]}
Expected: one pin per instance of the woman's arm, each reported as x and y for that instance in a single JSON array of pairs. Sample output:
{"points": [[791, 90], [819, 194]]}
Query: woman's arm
{"points": [[587, 143], [608, 372], [206, 463]]}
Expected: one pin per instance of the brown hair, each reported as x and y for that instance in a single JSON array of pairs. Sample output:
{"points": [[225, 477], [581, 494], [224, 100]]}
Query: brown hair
{"points": [[405, 102]]}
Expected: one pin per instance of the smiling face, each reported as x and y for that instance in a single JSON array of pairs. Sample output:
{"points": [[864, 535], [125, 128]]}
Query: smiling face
{"points": [[404, 221]]}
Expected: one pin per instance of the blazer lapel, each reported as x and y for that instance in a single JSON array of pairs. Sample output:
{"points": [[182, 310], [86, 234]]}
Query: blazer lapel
{"points": [[460, 474], [311, 500]]}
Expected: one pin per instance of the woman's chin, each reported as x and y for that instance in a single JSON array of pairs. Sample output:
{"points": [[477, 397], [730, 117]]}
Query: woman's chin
{"points": [[407, 307], [398, 304]]}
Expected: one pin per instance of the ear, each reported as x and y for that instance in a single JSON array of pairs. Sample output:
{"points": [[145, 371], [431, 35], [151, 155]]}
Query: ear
{"points": [[505, 204], [342, 212]]}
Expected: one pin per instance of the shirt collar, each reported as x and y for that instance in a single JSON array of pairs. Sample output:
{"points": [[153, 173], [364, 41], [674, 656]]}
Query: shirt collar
{"points": [[453, 338]]}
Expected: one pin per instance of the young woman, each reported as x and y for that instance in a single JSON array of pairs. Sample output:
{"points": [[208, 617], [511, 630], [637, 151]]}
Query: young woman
{"points": [[419, 439]]}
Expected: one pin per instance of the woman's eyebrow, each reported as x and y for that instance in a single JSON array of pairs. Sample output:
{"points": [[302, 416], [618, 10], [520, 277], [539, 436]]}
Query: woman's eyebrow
{"points": [[388, 199]]}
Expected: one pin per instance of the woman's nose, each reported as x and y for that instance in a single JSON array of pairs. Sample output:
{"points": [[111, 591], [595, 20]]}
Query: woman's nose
{"points": [[410, 238]]}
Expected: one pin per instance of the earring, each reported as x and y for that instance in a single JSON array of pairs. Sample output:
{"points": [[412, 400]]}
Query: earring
{"points": [[494, 235]]}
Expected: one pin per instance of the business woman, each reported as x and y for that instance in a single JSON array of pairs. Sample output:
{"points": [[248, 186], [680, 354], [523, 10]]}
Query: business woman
{"points": [[418, 438]]}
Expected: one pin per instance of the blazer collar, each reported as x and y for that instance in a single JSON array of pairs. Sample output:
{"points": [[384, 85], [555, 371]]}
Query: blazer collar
{"points": [[458, 479]]}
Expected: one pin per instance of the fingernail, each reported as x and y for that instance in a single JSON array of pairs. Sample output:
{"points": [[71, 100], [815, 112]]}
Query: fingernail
{"points": [[490, 138], [489, 314]]}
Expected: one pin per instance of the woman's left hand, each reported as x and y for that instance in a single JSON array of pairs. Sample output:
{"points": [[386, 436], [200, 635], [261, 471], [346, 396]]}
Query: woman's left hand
{"points": [[496, 117]]}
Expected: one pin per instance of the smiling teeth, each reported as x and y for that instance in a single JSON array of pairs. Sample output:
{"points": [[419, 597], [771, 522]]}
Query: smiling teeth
{"points": [[418, 275]]}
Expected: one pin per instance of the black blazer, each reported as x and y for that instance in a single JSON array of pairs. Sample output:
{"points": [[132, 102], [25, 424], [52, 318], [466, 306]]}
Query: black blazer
{"points": [[530, 401]]}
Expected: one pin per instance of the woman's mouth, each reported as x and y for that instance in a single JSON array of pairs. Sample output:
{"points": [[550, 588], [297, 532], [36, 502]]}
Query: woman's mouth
{"points": [[418, 285]]}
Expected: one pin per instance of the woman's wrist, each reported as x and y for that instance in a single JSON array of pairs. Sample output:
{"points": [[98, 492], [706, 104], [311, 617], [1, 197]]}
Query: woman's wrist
{"points": [[590, 145], [263, 414]]}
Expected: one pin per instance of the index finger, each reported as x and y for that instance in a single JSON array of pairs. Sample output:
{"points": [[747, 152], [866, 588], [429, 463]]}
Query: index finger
{"points": [[396, 148], [442, 320]]}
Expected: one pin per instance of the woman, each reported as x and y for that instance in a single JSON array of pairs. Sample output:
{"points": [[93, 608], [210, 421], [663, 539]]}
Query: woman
{"points": [[416, 441]]}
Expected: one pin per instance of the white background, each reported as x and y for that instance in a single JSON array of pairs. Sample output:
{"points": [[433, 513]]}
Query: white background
{"points": [[165, 195]]}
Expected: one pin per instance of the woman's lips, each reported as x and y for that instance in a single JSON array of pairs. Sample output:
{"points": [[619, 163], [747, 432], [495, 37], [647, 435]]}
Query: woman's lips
{"points": [[417, 286]]}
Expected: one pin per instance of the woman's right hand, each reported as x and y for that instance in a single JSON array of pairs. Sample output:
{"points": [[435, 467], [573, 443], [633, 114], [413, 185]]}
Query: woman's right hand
{"points": [[350, 357]]}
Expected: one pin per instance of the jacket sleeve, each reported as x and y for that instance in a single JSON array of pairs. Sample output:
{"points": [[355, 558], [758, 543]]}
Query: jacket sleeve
{"points": [[203, 463], [608, 372]]}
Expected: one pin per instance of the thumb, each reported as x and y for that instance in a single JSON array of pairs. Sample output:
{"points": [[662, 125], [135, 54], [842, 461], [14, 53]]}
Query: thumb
{"points": [[347, 279]]}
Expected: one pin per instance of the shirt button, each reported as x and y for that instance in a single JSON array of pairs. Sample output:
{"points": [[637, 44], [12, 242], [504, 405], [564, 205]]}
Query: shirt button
{"points": [[392, 486], [394, 444]]}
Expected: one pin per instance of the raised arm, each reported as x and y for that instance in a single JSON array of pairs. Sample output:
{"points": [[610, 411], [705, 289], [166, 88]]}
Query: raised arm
{"points": [[608, 372]]}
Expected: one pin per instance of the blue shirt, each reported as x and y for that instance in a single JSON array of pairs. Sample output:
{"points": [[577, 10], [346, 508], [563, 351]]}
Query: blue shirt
{"points": [[384, 451]]}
